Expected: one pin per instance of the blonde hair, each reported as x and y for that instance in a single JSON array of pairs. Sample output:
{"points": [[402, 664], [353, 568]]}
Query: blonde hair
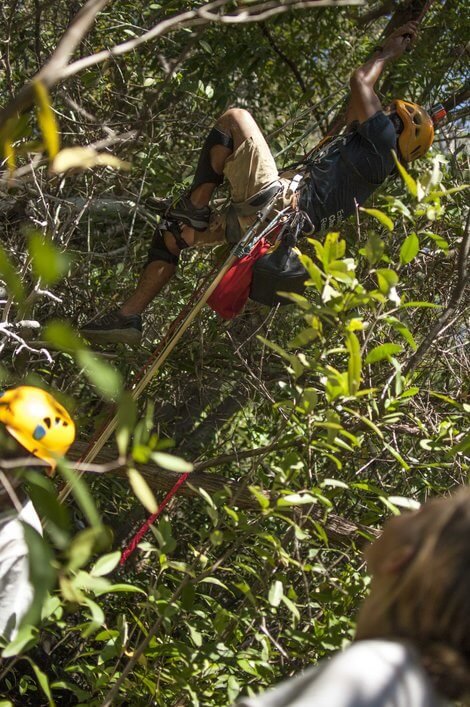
{"points": [[429, 604]]}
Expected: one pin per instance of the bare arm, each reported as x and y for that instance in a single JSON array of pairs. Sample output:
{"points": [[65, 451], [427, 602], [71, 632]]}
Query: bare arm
{"points": [[364, 102]]}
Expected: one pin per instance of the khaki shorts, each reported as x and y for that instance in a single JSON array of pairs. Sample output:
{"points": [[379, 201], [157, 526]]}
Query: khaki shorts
{"points": [[248, 170]]}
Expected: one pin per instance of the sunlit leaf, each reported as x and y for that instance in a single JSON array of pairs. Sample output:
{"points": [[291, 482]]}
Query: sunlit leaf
{"points": [[276, 592], [409, 503], [383, 351], [354, 362], [142, 490], [407, 178], [380, 216], [106, 564], [171, 462], [85, 158], [47, 120], [409, 249]]}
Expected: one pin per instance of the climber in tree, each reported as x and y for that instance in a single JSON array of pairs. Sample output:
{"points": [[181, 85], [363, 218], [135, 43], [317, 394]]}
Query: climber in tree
{"points": [[345, 173]]}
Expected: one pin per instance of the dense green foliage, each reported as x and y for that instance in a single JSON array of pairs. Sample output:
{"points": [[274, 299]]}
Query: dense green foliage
{"points": [[356, 396]]}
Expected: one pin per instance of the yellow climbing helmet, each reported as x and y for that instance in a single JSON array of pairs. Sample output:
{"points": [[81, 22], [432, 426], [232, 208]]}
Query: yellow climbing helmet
{"points": [[418, 130], [37, 421]]}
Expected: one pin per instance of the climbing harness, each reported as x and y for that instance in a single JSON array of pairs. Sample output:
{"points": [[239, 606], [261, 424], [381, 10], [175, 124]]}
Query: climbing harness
{"points": [[37, 421], [239, 283]]}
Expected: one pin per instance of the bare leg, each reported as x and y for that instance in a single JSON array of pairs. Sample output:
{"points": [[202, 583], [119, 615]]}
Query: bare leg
{"points": [[153, 279], [240, 125]]}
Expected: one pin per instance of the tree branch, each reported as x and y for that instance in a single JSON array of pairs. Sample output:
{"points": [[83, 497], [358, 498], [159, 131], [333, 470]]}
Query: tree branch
{"points": [[58, 69], [339, 530]]}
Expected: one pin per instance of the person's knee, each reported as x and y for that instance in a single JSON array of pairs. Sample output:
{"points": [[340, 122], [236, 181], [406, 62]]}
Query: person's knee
{"points": [[234, 117], [163, 251]]}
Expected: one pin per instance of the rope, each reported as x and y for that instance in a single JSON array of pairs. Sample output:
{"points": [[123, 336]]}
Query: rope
{"points": [[176, 330], [144, 528]]}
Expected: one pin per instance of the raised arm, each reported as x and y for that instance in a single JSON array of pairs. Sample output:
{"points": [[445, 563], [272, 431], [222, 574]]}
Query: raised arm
{"points": [[364, 102]]}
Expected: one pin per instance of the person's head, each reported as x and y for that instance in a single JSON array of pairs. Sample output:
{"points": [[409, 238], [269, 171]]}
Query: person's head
{"points": [[420, 589], [414, 127]]}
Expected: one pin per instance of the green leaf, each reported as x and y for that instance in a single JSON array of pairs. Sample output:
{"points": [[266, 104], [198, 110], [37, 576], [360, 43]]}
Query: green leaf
{"points": [[374, 248], [84, 544], [85, 158], [105, 377], [81, 492], [171, 462], [106, 564], [430, 305], [126, 419], [195, 636], [409, 249], [142, 490], [304, 337], [119, 588], [380, 216], [397, 456], [291, 606], [260, 496], [313, 270], [354, 362], [295, 499], [55, 514], [276, 592], [26, 637], [42, 680], [453, 190], [63, 336], [463, 447], [42, 574], [46, 119], [383, 351], [387, 280], [409, 503], [97, 613], [48, 263], [407, 178]]}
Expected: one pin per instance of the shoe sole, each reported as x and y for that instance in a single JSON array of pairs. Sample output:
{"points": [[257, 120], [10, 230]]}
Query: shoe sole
{"points": [[188, 220], [132, 337]]}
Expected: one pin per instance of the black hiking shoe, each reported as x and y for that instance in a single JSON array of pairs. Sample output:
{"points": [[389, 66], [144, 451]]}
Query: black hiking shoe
{"points": [[114, 328], [183, 210]]}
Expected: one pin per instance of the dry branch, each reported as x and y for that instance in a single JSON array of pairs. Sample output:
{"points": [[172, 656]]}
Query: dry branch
{"points": [[57, 69], [339, 530]]}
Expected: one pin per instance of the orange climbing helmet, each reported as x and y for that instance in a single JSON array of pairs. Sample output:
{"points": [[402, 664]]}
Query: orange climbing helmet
{"points": [[37, 421], [418, 131]]}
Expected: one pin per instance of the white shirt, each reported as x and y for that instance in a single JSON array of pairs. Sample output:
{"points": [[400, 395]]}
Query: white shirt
{"points": [[374, 673]]}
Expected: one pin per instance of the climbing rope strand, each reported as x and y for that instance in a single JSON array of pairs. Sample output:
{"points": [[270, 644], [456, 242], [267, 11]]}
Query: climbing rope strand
{"points": [[144, 528]]}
